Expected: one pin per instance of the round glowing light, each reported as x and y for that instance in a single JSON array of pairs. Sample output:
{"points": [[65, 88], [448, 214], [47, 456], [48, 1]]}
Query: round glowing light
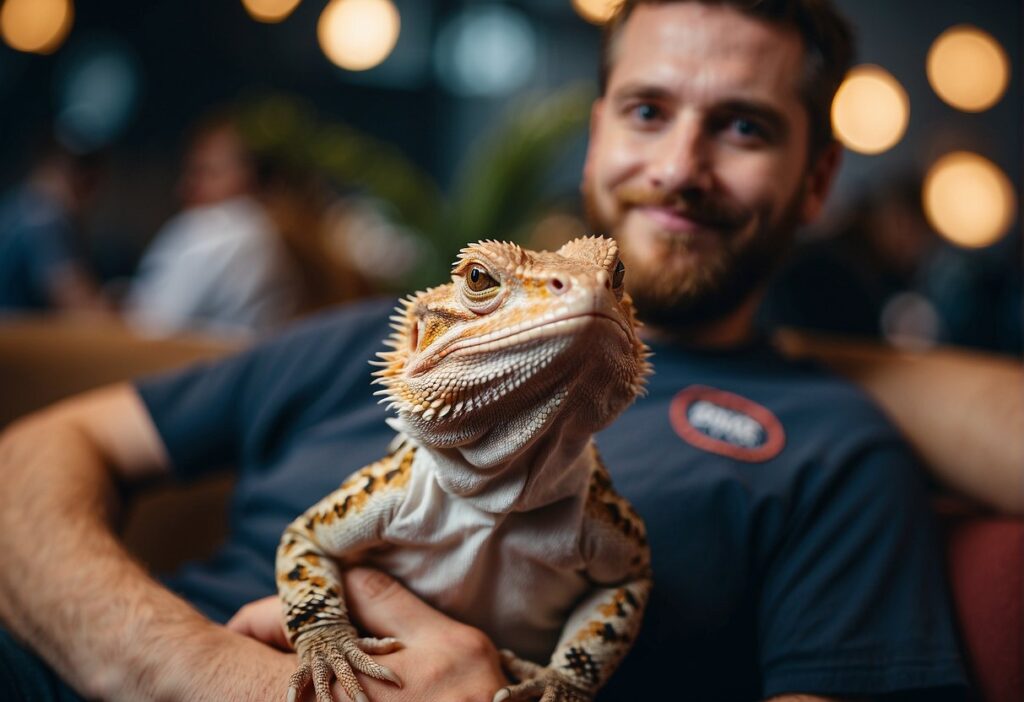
{"points": [[36, 26], [270, 11], [870, 110], [488, 50], [968, 199], [968, 68], [596, 11], [358, 34], [98, 85]]}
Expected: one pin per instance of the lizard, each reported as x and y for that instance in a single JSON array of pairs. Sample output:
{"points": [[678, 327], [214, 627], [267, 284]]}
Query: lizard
{"points": [[493, 504]]}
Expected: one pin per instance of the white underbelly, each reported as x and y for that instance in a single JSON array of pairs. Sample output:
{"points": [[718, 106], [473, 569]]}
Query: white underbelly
{"points": [[517, 577]]}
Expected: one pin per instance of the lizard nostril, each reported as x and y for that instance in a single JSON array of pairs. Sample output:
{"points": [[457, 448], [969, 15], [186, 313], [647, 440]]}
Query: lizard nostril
{"points": [[558, 286]]}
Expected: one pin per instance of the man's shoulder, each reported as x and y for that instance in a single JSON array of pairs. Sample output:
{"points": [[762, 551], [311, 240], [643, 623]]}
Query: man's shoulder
{"points": [[359, 317], [345, 336], [329, 342], [248, 405]]}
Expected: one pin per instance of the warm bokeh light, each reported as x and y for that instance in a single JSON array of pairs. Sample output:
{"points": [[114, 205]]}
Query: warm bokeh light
{"points": [[596, 11], [870, 110], [968, 199], [358, 34], [968, 68], [270, 11], [36, 26]]}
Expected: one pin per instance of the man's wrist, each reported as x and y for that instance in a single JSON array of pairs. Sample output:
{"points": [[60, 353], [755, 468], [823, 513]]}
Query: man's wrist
{"points": [[213, 663]]}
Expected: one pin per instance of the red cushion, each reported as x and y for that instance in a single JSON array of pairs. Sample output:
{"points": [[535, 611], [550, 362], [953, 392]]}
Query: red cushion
{"points": [[985, 556]]}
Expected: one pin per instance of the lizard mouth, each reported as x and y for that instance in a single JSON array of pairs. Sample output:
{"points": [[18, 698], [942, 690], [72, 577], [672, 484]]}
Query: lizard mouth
{"points": [[546, 328]]}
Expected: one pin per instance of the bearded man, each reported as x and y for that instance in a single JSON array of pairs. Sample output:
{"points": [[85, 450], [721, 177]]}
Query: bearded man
{"points": [[793, 554]]}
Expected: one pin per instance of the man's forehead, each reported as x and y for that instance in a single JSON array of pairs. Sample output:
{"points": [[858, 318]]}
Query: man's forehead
{"points": [[712, 47]]}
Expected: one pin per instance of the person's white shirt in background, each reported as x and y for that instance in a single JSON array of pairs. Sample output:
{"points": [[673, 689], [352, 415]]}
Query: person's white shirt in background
{"points": [[219, 268]]}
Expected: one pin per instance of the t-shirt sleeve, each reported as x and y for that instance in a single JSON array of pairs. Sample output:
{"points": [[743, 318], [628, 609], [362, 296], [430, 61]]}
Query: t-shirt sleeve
{"points": [[855, 602], [244, 410]]}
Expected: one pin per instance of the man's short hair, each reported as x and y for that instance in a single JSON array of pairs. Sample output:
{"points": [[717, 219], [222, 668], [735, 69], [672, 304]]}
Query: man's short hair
{"points": [[828, 50]]}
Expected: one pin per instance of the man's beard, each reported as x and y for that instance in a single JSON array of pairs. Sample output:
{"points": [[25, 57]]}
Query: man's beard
{"points": [[688, 297]]}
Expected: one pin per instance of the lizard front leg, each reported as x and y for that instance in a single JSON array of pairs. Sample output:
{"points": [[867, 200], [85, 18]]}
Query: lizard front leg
{"points": [[605, 624], [310, 587], [597, 636]]}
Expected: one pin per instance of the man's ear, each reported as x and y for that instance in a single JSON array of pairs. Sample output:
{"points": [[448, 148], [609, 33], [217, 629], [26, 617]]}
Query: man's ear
{"points": [[819, 182], [595, 122]]}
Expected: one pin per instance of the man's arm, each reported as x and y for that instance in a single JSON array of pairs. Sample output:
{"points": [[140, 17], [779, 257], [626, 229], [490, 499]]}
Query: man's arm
{"points": [[72, 592], [961, 411]]}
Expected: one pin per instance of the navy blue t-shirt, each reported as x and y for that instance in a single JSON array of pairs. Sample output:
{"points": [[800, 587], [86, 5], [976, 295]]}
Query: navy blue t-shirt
{"points": [[793, 549]]}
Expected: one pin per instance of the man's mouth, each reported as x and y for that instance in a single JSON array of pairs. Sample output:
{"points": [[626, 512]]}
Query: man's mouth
{"points": [[675, 221]]}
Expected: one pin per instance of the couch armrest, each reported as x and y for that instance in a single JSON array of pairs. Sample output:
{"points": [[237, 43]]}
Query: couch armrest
{"points": [[45, 359], [985, 560]]}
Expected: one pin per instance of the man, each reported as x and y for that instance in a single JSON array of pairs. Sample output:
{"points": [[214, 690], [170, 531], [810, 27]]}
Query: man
{"points": [[41, 267], [220, 265], [793, 555]]}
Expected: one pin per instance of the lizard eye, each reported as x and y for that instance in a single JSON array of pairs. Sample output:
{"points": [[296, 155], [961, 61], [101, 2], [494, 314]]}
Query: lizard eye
{"points": [[618, 275], [478, 280]]}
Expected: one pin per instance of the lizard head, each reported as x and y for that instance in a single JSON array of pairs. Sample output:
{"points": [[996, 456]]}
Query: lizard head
{"points": [[517, 339]]}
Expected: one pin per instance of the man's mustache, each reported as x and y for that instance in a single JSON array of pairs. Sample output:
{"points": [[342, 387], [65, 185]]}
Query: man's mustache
{"points": [[701, 208]]}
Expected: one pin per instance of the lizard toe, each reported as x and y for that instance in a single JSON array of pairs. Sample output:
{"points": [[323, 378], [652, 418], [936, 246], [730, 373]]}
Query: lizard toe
{"points": [[298, 682]]}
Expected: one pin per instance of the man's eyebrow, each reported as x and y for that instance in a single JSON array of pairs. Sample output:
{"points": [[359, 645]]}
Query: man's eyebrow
{"points": [[641, 91]]}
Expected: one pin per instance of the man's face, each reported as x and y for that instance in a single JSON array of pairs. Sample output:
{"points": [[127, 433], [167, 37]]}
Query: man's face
{"points": [[698, 158], [215, 169]]}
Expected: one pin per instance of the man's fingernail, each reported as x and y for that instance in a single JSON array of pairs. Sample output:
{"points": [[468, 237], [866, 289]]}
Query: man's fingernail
{"points": [[361, 697], [499, 696], [291, 694]]}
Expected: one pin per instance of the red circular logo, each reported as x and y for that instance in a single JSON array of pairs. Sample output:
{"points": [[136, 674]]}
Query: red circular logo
{"points": [[727, 424]]}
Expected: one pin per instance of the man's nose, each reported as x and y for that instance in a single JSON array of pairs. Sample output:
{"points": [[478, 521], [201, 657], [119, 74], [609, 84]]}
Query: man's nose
{"points": [[681, 161]]}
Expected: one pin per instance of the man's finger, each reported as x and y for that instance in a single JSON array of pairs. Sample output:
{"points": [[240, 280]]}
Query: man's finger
{"points": [[384, 607], [261, 620]]}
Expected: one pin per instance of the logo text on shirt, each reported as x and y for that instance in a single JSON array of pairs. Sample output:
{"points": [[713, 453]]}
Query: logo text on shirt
{"points": [[725, 423]]}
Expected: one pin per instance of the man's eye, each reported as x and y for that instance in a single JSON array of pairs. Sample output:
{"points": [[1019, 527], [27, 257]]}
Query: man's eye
{"points": [[645, 113], [748, 129]]}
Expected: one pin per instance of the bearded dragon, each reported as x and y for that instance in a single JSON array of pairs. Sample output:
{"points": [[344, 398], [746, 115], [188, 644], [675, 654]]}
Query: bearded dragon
{"points": [[494, 505]]}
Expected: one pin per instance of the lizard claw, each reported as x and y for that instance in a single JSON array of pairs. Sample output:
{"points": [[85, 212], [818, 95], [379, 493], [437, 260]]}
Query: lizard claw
{"points": [[536, 681], [336, 652]]}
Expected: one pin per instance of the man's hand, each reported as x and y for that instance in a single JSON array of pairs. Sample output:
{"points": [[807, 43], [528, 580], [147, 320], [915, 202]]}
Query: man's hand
{"points": [[261, 620], [441, 659]]}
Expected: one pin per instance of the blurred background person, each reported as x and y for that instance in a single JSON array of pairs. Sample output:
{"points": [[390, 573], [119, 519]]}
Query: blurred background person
{"points": [[880, 271], [220, 265], [861, 276], [42, 264], [310, 217]]}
